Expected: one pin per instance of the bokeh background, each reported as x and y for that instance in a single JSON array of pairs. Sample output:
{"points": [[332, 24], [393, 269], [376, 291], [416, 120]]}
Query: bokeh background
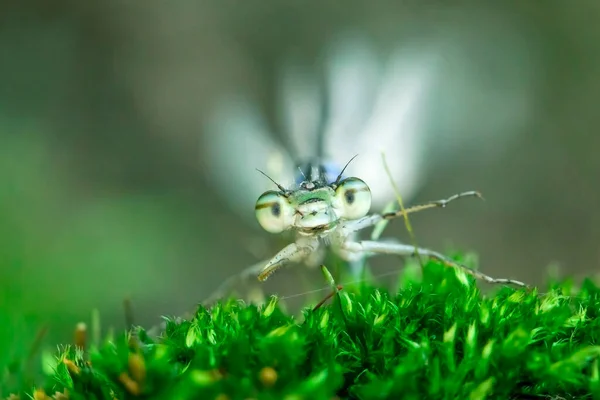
{"points": [[107, 191]]}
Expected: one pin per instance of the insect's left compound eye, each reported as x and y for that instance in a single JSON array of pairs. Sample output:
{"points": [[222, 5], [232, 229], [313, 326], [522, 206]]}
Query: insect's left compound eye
{"points": [[273, 212], [353, 197]]}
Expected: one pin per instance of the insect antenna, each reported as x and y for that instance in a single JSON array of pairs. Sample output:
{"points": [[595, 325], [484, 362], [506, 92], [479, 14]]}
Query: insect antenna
{"points": [[343, 169], [283, 190]]}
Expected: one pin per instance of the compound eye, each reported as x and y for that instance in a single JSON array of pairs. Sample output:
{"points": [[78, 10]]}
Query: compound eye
{"points": [[353, 197], [273, 212]]}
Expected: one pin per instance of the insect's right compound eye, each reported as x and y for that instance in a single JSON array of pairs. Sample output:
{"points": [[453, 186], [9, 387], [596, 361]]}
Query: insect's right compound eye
{"points": [[273, 212], [354, 197]]}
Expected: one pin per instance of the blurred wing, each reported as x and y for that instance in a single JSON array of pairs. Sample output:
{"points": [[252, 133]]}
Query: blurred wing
{"points": [[235, 143], [379, 107], [301, 102]]}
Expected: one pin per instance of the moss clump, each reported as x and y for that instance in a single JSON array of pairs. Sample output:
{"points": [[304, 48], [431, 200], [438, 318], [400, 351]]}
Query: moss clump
{"points": [[436, 337]]}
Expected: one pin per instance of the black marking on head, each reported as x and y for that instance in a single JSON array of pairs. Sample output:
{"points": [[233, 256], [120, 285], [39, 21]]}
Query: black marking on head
{"points": [[315, 229], [311, 200]]}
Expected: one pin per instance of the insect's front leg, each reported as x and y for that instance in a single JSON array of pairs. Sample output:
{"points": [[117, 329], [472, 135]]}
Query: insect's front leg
{"points": [[294, 252], [371, 247], [371, 220]]}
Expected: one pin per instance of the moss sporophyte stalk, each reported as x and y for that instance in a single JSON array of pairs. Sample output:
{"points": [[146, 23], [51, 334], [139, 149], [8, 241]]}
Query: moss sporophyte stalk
{"points": [[436, 337]]}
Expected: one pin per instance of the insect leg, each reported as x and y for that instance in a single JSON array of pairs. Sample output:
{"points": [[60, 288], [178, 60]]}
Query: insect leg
{"points": [[432, 204], [401, 249], [370, 220], [293, 252]]}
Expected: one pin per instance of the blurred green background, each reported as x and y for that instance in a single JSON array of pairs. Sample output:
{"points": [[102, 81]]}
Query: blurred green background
{"points": [[105, 194]]}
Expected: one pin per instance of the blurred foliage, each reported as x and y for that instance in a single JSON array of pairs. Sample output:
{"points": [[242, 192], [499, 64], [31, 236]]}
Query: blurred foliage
{"points": [[437, 337], [58, 245]]}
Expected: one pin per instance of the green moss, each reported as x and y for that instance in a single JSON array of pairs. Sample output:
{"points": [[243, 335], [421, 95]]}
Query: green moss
{"points": [[437, 337]]}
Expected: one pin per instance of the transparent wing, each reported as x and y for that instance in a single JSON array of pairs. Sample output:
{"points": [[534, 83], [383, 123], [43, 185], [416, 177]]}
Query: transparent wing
{"points": [[300, 103], [235, 143], [379, 105]]}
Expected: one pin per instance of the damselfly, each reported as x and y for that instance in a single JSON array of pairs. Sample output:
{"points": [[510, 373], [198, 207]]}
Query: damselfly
{"points": [[367, 109]]}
